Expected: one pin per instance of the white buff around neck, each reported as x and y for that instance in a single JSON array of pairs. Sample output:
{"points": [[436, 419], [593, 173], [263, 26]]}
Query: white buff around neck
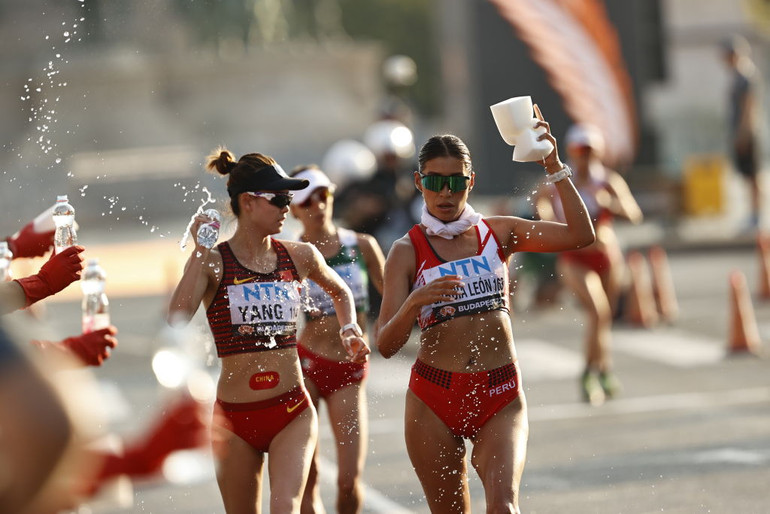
{"points": [[435, 227]]}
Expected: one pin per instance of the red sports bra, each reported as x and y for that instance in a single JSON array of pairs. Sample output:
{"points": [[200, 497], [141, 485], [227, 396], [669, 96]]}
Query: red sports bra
{"points": [[484, 276]]}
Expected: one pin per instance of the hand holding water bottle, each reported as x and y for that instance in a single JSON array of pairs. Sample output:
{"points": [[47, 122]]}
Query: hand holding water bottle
{"points": [[94, 347], [208, 231], [57, 273], [30, 242], [36, 237]]}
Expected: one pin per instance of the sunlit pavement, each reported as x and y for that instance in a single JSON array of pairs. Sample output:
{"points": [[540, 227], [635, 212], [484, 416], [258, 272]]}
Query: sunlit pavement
{"points": [[688, 434]]}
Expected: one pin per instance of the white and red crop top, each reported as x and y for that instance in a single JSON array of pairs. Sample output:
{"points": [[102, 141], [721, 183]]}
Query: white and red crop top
{"points": [[484, 277]]}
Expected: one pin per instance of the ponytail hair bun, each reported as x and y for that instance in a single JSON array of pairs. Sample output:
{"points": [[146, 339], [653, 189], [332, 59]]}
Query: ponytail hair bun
{"points": [[221, 160]]}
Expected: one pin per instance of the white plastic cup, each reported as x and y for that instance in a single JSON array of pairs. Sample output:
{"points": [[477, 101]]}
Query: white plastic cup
{"points": [[513, 116], [516, 122]]}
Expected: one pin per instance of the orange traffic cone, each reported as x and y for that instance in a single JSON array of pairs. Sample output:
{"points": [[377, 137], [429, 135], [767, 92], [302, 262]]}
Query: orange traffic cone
{"points": [[663, 285], [744, 333], [763, 247], [640, 309]]}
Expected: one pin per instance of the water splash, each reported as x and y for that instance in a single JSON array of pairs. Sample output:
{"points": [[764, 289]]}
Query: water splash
{"points": [[39, 94], [186, 236]]}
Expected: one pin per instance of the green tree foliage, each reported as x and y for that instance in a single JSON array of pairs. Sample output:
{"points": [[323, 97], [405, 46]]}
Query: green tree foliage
{"points": [[403, 27]]}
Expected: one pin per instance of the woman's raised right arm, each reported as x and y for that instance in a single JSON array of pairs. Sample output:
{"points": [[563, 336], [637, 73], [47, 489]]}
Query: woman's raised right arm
{"points": [[195, 281]]}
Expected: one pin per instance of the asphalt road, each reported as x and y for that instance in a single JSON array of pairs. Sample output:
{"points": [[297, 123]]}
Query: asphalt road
{"points": [[690, 432]]}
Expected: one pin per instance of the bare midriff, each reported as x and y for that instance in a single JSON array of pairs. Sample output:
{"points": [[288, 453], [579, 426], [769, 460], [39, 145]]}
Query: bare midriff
{"points": [[238, 370], [469, 344]]}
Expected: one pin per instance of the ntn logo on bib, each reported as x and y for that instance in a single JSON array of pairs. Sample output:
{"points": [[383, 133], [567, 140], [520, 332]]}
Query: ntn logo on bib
{"points": [[472, 266]]}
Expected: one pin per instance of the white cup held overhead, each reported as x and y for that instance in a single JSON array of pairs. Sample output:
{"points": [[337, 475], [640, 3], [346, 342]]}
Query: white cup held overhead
{"points": [[516, 123]]}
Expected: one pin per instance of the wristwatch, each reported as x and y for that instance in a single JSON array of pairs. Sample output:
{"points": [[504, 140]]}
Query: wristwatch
{"points": [[559, 175], [351, 326]]}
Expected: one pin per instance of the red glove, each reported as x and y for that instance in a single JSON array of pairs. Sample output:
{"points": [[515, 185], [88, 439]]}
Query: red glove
{"points": [[179, 428], [57, 273], [28, 243], [92, 348]]}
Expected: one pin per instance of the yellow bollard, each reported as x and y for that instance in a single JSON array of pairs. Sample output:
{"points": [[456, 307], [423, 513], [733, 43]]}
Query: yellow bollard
{"points": [[703, 184]]}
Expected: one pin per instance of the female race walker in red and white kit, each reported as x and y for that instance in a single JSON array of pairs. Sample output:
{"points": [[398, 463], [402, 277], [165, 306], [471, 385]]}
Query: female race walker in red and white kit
{"points": [[357, 258], [450, 272], [250, 286], [595, 274]]}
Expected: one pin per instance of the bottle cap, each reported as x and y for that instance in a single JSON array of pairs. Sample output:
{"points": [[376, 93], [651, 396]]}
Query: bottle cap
{"points": [[62, 198], [213, 214]]}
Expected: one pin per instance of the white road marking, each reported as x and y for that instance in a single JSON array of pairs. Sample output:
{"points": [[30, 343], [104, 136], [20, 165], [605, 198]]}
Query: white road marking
{"points": [[622, 406], [540, 360], [732, 456], [669, 346]]}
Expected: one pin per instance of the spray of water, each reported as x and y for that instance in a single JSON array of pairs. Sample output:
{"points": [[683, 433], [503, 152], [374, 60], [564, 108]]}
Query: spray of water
{"points": [[40, 94], [186, 236]]}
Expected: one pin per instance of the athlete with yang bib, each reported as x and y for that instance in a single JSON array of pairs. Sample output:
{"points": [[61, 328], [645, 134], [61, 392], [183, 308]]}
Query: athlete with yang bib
{"points": [[250, 286]]}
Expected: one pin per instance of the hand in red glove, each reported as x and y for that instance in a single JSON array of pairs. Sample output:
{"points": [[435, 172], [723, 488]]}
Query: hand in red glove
{"points": [[92, 348], [28, 243], [57, 273], [180, 427]]}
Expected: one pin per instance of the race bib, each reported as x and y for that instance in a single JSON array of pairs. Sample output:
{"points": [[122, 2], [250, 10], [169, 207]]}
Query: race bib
{"points": [[264, 308], [484, 288], [318, 303]]}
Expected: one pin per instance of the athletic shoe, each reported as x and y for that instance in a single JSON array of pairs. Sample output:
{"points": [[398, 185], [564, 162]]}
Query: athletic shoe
{"points": [[591, 388], [610, 384]]}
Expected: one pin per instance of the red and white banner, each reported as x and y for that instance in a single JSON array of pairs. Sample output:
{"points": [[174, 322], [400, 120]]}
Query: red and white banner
{"points": [[577, 46]]}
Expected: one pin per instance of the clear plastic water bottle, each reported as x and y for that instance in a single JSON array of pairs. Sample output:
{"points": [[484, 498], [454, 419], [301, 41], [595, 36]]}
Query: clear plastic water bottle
{"points": [[96, 307], [64, 218], [208, 233], [5, 262]]}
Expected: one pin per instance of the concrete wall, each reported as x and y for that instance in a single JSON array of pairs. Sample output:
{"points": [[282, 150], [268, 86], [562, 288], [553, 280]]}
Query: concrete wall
{"points": [[150, 119]]}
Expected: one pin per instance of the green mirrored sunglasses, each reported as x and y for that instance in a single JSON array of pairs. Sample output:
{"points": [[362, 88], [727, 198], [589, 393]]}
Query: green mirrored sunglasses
{"points": [[437, 182]]}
